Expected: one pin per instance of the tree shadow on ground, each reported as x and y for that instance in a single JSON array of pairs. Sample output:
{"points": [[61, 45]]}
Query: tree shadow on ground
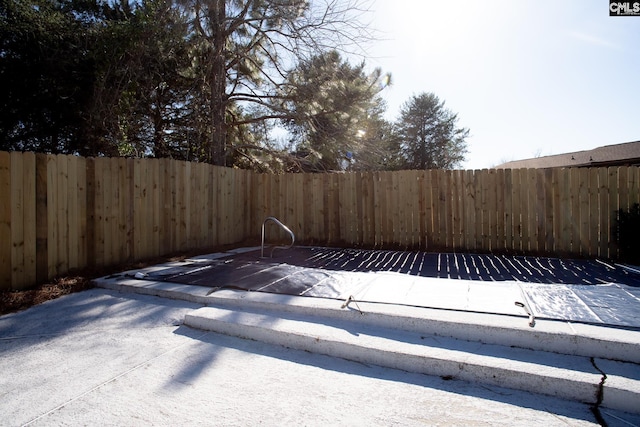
{"points": [[446, 384]]}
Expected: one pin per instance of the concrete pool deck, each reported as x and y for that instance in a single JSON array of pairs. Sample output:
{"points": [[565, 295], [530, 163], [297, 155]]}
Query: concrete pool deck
{"points": [[103, 357]]}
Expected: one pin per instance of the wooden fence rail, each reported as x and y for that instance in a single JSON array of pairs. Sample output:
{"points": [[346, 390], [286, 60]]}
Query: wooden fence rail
{"points": [[60, 212]]}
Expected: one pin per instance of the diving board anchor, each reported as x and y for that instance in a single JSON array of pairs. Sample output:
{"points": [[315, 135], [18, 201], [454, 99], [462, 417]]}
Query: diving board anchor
{"points": [[347, 301], [350, 299], [532, 320]]}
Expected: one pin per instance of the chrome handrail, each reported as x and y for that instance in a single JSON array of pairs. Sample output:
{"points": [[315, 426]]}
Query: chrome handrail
{"points": [[284, 227]]}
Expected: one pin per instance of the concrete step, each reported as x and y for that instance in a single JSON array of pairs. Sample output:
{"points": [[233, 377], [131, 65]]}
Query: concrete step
{"points": [[511, 331], [614, 385], [520, 348]]}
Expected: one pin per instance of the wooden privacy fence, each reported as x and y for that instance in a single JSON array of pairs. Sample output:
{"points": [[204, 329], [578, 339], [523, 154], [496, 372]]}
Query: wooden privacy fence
{"points": [[563, 212], [60, 213]]}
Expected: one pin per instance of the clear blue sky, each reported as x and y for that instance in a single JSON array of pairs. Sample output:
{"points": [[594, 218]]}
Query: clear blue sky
{"points": [[527, 77]]}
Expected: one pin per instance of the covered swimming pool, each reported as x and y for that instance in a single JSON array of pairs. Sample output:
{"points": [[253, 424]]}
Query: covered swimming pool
{"points": [[587, 291]]}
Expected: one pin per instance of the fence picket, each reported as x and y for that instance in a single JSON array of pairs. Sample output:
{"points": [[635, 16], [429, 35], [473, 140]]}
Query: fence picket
{"points": [[29, 219], [179, 199], [593, 212], [291, 217], [145, 220], [508, 209], [42, 268], [500, 210], [492, 208], [138, 209], [517, 212], [414, 196], [444, 203], [90, 173], [532, 211], [111, 207], [556, 210], [446, 212], [378, 204], [156, 208], [548, 210], [319, 210], [603, 214], [353, 222], [419, 211], [308, 199], [6, 185], [167, 237], [214, 215], [468, 203], [224, 205], [574, 209], [362, 217], [433, 212], [122, 194], [62, 213], [17, 224], [197, 199], [387, 208], [73, 212], [235, 196], [81, 198], [614, 205], [563, 242], [585, 218], [399, 207], [207, 207], [483, 211], [541, 214], [634, 185], [478, 200]]}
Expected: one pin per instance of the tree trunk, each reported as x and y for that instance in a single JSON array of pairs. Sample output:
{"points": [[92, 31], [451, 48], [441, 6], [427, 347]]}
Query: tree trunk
{"points": [[159, 142], [423, 152], [218, 100]]}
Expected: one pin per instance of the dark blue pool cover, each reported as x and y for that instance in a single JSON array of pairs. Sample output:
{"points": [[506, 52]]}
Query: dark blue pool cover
{"points": [[424, 264], [597, 292]]}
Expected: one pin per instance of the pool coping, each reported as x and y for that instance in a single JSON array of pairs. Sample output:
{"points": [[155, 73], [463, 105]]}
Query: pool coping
{"points": [[615, 343]]}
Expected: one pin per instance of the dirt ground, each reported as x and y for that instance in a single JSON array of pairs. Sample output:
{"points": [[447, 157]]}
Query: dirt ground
{"points": [[11, 301]]}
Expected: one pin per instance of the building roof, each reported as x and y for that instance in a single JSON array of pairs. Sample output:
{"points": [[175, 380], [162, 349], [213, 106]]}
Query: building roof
{"points": [[627, 154]]}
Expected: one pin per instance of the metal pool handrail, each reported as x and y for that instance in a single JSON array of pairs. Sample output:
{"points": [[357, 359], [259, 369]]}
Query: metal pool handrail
{"points": [[284, 227]]}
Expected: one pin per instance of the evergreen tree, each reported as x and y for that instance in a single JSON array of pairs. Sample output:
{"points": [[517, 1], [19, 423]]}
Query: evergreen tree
{"points": [[428, 135], [46, 72], [330, 104]]}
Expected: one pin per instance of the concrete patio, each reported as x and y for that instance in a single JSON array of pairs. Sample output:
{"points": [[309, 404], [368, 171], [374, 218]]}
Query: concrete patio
{"points": [[102, 357]]}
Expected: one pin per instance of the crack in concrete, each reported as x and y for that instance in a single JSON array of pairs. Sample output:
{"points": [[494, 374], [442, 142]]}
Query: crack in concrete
{"points": [[600, 395]]}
